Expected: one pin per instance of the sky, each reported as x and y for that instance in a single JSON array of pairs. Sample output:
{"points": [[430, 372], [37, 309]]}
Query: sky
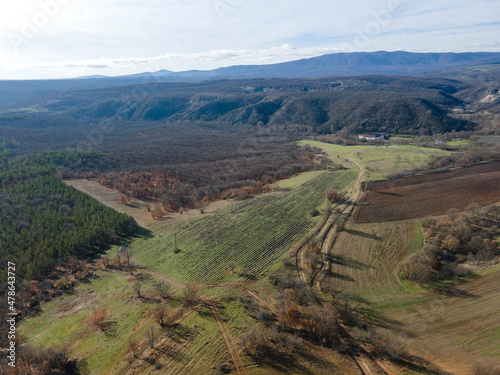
{"points": [[41, 39]]}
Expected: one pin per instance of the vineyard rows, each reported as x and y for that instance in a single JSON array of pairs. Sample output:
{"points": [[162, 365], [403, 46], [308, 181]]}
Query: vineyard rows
{"points": [[251, 234]]}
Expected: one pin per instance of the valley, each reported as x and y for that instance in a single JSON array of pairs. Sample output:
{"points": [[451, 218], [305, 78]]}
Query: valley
{"points": [[242, 224], [359, 264]]}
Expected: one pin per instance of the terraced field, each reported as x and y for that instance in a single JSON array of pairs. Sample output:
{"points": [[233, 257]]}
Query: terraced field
{"points": [[250, 235]]}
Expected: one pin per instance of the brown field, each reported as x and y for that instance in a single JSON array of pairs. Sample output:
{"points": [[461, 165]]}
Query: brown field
{"points": [[432, 194]]}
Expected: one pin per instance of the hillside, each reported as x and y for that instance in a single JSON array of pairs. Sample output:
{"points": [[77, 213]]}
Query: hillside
{"points": [[369, 103], [340, 64]]}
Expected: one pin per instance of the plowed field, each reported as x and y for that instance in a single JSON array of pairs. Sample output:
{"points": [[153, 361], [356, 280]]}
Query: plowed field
{"points": [[432, 194]]}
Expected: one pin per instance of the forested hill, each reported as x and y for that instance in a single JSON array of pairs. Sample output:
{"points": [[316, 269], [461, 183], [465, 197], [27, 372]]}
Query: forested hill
{"points": [[44, 221], [368, 103]]}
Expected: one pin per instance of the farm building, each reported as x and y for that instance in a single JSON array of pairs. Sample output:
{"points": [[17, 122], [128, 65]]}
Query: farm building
{"points": [[373, 136]]}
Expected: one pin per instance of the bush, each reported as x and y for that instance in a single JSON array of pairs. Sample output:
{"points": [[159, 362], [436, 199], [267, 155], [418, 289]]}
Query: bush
{"points": [[225, 368], [482, 369], [262, 343], [387, 344]]}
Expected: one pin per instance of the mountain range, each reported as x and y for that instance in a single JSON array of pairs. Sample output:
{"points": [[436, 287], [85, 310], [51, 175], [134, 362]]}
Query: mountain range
{"points": [[340, 64]]}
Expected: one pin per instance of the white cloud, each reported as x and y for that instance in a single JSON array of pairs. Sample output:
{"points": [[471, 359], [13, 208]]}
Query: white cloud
{"points": [[100, 36], [284, 52]]}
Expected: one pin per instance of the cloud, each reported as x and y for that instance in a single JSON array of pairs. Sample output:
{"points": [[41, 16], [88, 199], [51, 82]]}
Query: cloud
{"points": [[283, 52], [126, 36]]}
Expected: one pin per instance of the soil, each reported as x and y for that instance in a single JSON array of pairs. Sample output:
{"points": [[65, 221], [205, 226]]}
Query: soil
{"points": [[429, 195]]}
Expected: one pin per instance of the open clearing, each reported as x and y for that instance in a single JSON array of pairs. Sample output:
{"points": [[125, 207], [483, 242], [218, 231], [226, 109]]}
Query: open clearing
{"points": [[432, 194], [251, 235], [378, 161], [137, 208], [297, 180]]}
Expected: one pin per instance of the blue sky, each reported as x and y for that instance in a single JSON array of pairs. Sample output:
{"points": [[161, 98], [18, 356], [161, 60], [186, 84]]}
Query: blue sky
{"points": [[68, 38]]}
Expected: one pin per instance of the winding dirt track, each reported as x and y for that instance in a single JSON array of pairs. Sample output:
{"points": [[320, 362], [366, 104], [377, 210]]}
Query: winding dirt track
{"points": [[345, 210], [326, 236]]}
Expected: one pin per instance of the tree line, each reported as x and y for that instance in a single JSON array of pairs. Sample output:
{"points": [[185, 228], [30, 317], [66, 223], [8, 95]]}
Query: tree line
{"points": [[44, 220], [452, 240]]}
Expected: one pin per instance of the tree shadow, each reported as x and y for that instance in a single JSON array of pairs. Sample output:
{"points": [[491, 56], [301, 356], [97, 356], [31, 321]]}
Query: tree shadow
{"points": [[342, 261], [363, 234], [205, 313], [378, 319], [420, 365], [285, 364], [247, 276], [143, 233], [180, 331], [387, 193], [340, 276], [453, 291]]}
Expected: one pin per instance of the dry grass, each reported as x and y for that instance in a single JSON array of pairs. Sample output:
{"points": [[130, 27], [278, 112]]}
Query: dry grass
{"points": [[452, 327], [137, 208], [458, 328]]}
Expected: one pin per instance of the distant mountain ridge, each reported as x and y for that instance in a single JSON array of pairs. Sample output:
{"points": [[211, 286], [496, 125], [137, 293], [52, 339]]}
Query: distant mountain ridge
{"points": [[339, 64]]}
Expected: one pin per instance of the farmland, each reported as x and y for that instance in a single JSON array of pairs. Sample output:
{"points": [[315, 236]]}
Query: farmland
{"points": [[297, 180], [194, 346], [378, 161], [452, 329], [432, 194], [240, 241], [252, 234], [456, 330], [137, 208]]}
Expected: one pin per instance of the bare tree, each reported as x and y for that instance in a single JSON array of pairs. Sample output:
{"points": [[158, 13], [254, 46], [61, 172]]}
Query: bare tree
{"points": [[163, 290], [134, 347], [151, 334], [124, 199], [137, 288], [98, 319], [332, 195], [166, 316], [485, 369], [190, 297], [452, 214], [127, 253], [160, 314]]}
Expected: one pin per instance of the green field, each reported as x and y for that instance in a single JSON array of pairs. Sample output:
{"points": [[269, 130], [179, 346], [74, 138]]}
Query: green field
{"points": [[64, 321], [254, 234], [378, 161], [194, 347], [463, 142], [297, 180]]}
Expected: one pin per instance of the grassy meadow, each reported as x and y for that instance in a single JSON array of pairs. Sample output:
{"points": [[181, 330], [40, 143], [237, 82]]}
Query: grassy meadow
{"points": [[378, 161]]}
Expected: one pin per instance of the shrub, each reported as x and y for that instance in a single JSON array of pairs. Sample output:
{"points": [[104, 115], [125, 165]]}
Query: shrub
{"points": [[225, 368]]}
